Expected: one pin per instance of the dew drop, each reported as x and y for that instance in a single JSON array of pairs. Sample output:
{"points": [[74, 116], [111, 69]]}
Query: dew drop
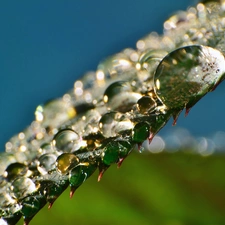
{"points": [[15, 170], [46, 163], [119, 96], [146, 104], [66, 140], [113, 123], [116, 65], [66, 162], [46, 148], [150, 59], [141, 132], [187, 74], [115, 150]]}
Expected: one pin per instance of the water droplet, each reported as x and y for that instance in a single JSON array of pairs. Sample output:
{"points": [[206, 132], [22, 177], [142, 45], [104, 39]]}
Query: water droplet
{"points": [[116, 65], [66, 140], [15, 170], [113, 123], [115, 150], [80, 173], [46, 163], [146, 104], [119, 96], [141, 132], [22, 187], [187, 74], [46, 148], [150, 59], [66, 162]]}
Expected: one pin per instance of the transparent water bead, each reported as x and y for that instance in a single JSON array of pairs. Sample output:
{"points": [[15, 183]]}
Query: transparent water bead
{"points": [[46, 163], [150, 59], [114, 66], [119, 96], [112, 123], [146, 104], [66, 162], [22, 187], [187, 74], [15, 170], [66, 140], [5, 160], [46, 148]]}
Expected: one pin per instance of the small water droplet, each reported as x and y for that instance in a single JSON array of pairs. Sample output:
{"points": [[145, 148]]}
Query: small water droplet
{"points": [[15, 170], [46, 163], [113, 123], [119, 96], [115, 65], [46, 148], [141, 132]]}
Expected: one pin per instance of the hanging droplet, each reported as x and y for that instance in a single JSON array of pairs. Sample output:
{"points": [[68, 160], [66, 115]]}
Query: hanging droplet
{"points": [[146, 104], [141, 132], [119, 96], [46, 163], [79, 174], [66, 162], [66, 140], [22, 187], [115, 150], [15, 170], [185, 75], [113, 123]]}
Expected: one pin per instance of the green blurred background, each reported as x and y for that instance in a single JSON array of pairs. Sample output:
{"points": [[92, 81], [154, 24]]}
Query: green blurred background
{"points": [[44, 47]]}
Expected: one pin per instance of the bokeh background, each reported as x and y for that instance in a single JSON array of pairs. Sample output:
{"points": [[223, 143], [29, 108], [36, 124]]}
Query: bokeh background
{"points": [[44, 47]]}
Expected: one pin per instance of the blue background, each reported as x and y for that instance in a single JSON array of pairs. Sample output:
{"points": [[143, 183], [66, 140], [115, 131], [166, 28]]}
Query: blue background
{"points": [[46, 45]]}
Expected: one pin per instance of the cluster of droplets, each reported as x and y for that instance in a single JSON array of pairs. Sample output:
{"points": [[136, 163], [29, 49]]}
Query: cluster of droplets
{"points": [[129, 98]]}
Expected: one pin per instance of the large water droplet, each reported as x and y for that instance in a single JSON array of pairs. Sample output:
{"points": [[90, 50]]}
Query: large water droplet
{"points": [[187, 74], [66, 162], [113, 123], [119, 96], [66, 140]]}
